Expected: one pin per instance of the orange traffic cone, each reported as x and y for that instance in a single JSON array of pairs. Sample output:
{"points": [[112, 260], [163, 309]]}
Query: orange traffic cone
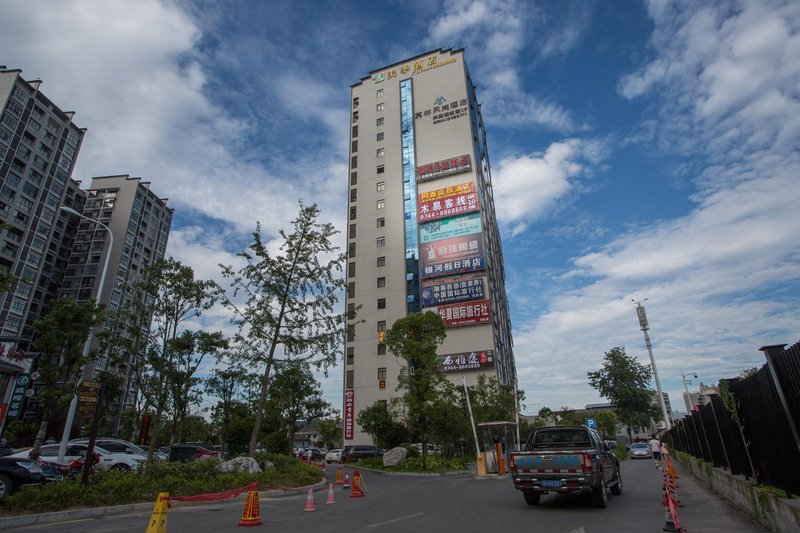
{"points": [[251, 515], [346, 481], [330, 494], [356, 492], [339, 476], [310, 501]]}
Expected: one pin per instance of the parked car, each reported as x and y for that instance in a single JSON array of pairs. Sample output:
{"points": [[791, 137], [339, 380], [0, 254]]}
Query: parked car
{"points": [[191, 451], [16, 473], [333, 456], [123, 462], [640, 450], [351, 454], [433, 449], [123, 446]]}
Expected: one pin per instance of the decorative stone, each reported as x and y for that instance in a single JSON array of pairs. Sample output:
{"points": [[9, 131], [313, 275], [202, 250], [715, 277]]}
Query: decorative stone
{"points": [[240, 464], [395, 456]]}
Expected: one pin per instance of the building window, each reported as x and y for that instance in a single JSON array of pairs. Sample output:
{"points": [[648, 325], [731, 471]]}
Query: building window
{"points": [[381, 283], [348, 379], [381, 242], [353, 195], [379, 93], [381, 349], [381, 204], [351, 333], [353, 178], [351, 355], [379, 122], [355, 131], [379, 137], [380, 152], [351, 250], [351, 311], [351, 289], [381, 222], [351, 270], [352, 231], [355, 116], [379, 107], [381, 325], [354, 161], [354, 146], [381, 185], [355, 102], [353, 213], [380, 169], [382, 373], [381, 303], [381, 262]]}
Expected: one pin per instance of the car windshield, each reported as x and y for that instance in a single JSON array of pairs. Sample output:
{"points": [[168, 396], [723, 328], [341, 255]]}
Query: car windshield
{"points": [[572, 437], [638, 446]]}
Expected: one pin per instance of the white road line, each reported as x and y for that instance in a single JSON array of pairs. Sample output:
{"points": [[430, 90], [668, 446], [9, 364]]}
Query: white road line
{"points": [[579, 530], [393, 520]]}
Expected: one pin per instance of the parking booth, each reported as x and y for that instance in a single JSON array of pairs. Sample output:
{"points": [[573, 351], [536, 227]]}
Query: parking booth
{"points": [[497, 437]]}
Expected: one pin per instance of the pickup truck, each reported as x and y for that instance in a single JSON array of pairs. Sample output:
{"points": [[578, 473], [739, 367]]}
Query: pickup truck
{"points": [[565, 459]]}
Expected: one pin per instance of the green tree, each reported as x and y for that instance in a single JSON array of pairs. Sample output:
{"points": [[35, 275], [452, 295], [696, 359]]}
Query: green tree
{"points": [[416, 338], [492, 401], [224, 384], [567, 417], [289, 302], [330, 432], [624, 382], [448, 418], [61, 337], [607, 423], [382, 425], [546, 416]]}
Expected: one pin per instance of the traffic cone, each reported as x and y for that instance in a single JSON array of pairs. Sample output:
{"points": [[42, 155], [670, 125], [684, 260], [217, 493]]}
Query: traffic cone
{"points": [[362, 484], [346, 481], [158, 520], [310, 501], [251, 516], [330, 499], [356, 491], [339, 476]]}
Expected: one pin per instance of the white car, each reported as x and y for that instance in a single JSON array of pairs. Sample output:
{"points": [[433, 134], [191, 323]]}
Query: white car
{"points": [[123, 446], [333, 456], [123, 462]]}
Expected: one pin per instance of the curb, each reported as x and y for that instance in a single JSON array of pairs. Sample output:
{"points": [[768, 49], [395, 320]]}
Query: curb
{"points": [[414, 474], [15, 521]]}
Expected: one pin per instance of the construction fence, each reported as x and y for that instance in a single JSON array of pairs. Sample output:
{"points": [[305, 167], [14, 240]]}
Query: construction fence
{"points": [[751, 428]]}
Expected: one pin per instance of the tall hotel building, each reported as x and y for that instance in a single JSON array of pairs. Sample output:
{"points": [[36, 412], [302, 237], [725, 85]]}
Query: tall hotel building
{"points": [[422, 229]]}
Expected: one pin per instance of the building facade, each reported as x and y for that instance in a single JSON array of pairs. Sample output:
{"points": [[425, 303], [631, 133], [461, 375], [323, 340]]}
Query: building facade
{"points": [[422, 230]]}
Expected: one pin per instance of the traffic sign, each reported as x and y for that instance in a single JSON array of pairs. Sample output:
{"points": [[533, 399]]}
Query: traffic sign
{"points": [[590, 423]]}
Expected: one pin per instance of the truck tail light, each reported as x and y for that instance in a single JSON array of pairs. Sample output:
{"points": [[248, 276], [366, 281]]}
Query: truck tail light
{"points": [[586, 466], [512, 465]]}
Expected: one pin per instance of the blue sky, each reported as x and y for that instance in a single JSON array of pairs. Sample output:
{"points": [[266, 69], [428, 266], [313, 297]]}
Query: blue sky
{"points": [[639, 150]]}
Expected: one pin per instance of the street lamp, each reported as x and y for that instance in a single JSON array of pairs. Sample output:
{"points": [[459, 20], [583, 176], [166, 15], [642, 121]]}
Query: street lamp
{"points": [[87, 346], [686, 388]]}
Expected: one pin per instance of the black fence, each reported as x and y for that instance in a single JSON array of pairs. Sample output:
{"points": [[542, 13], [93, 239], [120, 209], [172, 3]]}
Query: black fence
{"points": [[764, 444]]}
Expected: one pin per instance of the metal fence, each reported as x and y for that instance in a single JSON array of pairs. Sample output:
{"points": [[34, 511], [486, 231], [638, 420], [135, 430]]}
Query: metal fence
{"points": [[764, 445]]}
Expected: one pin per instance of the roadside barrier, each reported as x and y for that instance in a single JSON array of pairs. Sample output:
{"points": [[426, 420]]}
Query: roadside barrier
{"points": [[310, 501], [251, 515], [331, 499], [339, 480], [158, 520], [670, 499]]}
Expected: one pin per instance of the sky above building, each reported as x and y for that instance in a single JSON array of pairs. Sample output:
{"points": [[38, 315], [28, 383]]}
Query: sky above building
{"points": [[640, 150]]}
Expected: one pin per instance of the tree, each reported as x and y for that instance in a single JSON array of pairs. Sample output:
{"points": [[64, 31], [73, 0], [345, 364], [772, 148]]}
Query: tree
{"points": [[415, 338], [330, 433], [224, 383], [546, 415], [624, 382], [607, 422], [289, 302], [61, 337], [492, 401], [567, 417], [382, 425], [448, 419]]}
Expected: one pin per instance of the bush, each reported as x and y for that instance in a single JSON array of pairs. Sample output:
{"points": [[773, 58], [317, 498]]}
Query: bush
{"points": [[178, 479]]}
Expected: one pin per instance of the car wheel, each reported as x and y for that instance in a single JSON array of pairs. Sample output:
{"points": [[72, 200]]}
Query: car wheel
{"points": [[121, 467], [5, 486], [532, 498], [616, 488], [601, 495]]}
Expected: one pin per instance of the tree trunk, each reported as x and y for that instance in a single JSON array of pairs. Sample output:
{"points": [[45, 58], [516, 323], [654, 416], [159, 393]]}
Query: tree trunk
{"points": [[36, 451]]}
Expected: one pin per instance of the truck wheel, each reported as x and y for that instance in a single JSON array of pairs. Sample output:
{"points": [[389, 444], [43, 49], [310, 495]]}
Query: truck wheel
{"points": [[616, 488], [601, 495], [532, 498]]}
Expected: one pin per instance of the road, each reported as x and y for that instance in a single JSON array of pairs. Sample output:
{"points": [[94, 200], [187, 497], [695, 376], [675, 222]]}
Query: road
{"points": [[444, 504]]}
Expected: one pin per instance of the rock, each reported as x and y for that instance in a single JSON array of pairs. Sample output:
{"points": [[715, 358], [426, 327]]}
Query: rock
{"points": [[395, 456], [240, 464], [266, 465]]}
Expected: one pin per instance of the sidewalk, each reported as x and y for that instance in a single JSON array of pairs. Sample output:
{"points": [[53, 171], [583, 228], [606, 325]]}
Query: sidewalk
{"points": [[706, 512]]}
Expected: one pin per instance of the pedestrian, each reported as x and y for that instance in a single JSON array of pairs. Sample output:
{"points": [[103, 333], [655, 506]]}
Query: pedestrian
{"points": [[310, 455], [655, 449]]}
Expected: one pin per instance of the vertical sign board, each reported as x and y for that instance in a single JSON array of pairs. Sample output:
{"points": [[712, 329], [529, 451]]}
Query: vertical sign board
{"points": [[18, 395], [349, 413]]}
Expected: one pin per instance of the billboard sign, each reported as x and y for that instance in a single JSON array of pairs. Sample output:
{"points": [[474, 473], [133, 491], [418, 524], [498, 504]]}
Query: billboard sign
{"points": [[458, 362], [445, 167], [349, 413], [465, 314], [452, 289], [447, 207], [448, 228], [452, 256], [18, 395]]}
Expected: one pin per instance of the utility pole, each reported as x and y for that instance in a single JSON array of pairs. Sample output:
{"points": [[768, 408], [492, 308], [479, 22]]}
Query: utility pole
{"points": [[643, 324]]}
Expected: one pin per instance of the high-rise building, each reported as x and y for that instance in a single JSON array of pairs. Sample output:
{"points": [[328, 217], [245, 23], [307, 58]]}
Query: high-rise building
{"points": [[422, 231], [39, 144]]}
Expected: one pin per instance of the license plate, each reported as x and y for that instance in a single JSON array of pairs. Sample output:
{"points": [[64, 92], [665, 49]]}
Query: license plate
{"points": [[551, 483]]}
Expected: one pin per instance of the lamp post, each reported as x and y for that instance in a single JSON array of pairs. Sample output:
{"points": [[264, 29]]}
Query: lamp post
{"points": [[644, 326], [686, 388], [87, 346]]}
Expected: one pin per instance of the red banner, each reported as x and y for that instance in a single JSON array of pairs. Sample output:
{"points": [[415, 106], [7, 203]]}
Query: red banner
{"points": [[465, 314], [215, 496], [349, 413], [445, 167]]}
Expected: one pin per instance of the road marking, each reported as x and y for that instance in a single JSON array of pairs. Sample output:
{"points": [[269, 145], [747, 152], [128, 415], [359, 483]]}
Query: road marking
{"points": [[579, 530], [393, 520]]}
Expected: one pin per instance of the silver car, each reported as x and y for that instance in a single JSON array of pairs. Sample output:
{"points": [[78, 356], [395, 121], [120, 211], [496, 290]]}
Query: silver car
{"points": [[334, 456], [640, 450]]}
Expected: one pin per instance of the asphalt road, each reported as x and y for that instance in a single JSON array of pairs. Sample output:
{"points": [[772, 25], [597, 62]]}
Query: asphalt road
{"points": [[443, 504]]}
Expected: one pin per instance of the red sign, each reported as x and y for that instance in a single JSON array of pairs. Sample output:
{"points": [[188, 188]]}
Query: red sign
{"points": [[465, 314], [458, 204], [3, 409], [458, 362], [349, 413], [445, 167]]}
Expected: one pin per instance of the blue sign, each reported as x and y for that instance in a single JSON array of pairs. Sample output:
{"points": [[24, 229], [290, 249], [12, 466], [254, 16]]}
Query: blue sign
{"points": [[590, 423]]}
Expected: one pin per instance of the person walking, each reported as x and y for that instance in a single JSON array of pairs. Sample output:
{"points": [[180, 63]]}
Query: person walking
{"points": [[655, 449]]}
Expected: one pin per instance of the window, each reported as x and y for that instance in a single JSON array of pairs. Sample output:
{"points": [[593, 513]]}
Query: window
{"points": [[379, 137], [354, 161], [381, 204], [381, 262], [379, 122], [381, 348], [379, 93], [351, 270], [351, 333], [352, 231], [380, 152], [381, 283], [354, 146], [351, 311], [381, 325], [379, 107], [349, 380], [353, 195], [351, 249], [382, 373], [353, 213], [355, 102], [355, 131], [355, 116], [381, 185], [381, 242], [381, 222], [351, 354], [380, 169], [353, 178], [351, 289], [381, 303]]}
